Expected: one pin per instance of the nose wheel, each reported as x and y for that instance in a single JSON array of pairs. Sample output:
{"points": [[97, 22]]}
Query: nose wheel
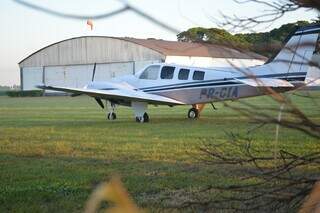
{"points": [[193, 113]]}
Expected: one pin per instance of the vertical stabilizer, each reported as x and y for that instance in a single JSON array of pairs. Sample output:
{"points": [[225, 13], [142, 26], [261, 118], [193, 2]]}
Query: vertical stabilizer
{"points": [[313, 73], [297, 54]]}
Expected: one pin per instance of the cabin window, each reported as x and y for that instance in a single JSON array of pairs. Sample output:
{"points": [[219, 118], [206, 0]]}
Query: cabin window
{"points": [[151, 73], [183, 74], [167, 72], [198, 75]]}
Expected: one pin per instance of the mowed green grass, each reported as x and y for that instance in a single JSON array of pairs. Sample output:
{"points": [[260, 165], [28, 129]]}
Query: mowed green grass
{"points": [[55, 150]]}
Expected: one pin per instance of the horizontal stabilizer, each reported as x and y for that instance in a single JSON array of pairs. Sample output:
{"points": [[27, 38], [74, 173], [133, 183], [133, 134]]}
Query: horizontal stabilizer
{"points": [[265, 82]]}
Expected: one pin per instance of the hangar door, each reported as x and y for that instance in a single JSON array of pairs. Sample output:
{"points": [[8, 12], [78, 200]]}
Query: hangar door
{"points": [[77, 75], [139, 65], [31, 76], [70, 76], [105, 72]]}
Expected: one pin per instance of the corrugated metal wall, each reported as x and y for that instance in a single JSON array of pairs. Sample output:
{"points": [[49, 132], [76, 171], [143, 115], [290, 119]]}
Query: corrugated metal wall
{"points": [[31, 76], [139, 65], [69, 76], [77, 75], [105, 72], [70, 62], [89, 50]]}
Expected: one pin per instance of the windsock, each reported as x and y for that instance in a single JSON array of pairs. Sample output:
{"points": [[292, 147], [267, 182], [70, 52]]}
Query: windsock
{"points": [[90, 23]]}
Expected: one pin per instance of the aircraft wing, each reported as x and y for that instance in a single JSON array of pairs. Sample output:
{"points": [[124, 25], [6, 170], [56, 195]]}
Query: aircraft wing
{"points": [[265, 82], [118, 94]]}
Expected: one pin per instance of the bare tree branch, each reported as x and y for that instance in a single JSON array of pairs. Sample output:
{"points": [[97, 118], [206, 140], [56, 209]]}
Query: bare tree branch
{"points": [[126, 7], [272, 12]]}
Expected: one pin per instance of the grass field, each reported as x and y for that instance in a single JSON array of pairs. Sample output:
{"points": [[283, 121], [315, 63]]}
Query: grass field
{"points": [[55, 150]]}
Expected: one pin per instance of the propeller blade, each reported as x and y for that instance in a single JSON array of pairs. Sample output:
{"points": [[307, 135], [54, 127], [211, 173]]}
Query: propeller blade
{"points": [[94, 71], [98, 100]]}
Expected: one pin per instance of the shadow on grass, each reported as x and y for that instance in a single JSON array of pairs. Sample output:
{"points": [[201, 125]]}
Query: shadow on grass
{"points": [[63, 184]]}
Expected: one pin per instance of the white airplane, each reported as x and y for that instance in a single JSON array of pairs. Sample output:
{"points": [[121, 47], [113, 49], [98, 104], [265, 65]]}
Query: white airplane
{"points": [[168, 84]]}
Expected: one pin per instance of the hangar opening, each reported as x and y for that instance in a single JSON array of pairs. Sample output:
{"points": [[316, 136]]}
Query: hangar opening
{"points": [[70, 62]]}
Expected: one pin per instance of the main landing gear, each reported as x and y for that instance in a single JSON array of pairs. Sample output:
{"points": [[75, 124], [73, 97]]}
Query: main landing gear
{"points": [[139, 109], [111, 115]]}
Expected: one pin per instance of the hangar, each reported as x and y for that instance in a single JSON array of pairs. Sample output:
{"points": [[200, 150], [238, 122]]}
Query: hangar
{"points": [[70, 62]]}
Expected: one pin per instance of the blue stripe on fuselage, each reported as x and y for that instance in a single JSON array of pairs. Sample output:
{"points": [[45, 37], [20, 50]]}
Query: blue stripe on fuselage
{"points": [[223, 82]]}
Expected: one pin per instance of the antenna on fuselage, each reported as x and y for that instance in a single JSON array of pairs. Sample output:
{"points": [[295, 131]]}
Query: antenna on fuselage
{"points": [[94, 71]]}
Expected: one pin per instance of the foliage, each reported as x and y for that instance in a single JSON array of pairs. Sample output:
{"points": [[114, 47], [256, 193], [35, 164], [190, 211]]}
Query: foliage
{"points": [[27, 93], [212, 36], [266, 43], [5, 88], [3, 93], [269, 43]]}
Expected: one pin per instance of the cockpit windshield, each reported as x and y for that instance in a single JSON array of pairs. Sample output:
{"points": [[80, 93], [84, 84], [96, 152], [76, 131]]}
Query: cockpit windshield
{"points": [[151, 72]]}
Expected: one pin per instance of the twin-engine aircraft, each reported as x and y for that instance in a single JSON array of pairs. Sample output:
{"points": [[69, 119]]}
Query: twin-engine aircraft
{"points": [[171, 85]]}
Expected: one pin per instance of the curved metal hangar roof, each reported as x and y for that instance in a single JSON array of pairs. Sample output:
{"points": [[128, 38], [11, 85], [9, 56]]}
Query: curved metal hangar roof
{"points": [[102, 49]]}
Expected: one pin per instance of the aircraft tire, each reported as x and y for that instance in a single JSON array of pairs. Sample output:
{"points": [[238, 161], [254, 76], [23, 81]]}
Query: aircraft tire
{"points": [[140, 120], [193, 113], [112, 116], [145, 117]]}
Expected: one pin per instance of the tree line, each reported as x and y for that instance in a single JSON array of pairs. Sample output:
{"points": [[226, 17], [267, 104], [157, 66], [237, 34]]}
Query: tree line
{"points": [[264, 43]]}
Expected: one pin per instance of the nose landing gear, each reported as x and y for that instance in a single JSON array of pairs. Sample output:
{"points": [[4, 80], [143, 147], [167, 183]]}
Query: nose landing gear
{"points": [[140, 109], [143, 119], [193, 113]]}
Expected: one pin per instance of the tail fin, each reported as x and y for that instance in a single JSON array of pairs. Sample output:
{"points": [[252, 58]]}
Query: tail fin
{"points": [[296, 56], [313, 74]]}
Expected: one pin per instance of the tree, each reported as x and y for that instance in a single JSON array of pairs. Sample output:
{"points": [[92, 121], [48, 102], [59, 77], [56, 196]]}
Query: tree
{"points": [[266, 43], [212, 36]]}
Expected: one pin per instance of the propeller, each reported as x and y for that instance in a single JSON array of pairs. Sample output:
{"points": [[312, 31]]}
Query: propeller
{"points": [[94, 71], [93, 74], [98, 100]]}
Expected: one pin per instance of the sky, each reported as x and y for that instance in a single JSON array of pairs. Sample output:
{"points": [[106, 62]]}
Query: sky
{"points": [[24, 31]]}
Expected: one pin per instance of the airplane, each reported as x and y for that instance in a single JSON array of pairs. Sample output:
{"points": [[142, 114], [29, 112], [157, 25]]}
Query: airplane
{"points": [[174, 85]]}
